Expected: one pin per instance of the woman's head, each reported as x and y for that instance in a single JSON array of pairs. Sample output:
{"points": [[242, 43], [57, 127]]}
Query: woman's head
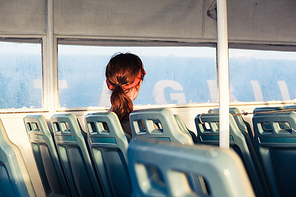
{"points": [[124, 74]]}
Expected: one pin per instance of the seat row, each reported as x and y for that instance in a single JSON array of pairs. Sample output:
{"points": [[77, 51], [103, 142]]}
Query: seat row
{"points": [[94, 163], [156, 168], [268, 152], [72, 162]]}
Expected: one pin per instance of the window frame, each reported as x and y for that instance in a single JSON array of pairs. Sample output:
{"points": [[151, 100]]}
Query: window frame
{"points": [[29, 39], [262, 47], [136, 42], [50, 78]]}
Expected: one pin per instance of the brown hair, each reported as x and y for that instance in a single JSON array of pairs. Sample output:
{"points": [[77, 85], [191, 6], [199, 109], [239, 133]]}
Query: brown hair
{"points": [[121, 71]]}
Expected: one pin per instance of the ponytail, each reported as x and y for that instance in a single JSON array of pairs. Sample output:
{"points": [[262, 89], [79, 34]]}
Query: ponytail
{"points": [[122, 105], [123, 73]]}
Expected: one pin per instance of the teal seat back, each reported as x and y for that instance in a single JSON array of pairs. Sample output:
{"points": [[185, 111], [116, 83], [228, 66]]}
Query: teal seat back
{"points": [[46, 157], [266, 109], [276, 147], [290, 107], [181, 124], [241, 123], [183, 128], [160, 168], [108, 145], [262, 110], [238, 118], [74, 155], [159, 124], [207, 126], [14, 177]]}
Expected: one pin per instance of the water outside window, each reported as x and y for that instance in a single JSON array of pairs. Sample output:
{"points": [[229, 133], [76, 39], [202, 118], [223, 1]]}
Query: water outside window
{"points": [[20, 75], [257, 75], [175, 75]]}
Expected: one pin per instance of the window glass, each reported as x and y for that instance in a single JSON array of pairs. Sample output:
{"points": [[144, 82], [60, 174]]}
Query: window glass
{"points": [[175, 75], [262, 75], [20, 75]]}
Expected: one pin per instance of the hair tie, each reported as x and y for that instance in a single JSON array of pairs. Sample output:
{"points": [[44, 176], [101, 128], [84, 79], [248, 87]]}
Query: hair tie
{"points": [[136, 81], [110, 87]]}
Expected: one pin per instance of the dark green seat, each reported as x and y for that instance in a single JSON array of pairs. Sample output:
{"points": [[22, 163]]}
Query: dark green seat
{"points": [[14, 177], [243, 125], [207, 126], [269, 110], [266, 109], [158, 123], [46, 157], [290, 107], [108, 145], [73, 152], [276, 148], [160, 168]]}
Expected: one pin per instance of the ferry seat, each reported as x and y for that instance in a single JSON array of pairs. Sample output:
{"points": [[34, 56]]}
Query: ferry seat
{"points": [[243, 125], [46, 157], [276, 147], [207, 126], [75, 158], [270, 110], [160, 168], [14, 177], [158, 123], [183, 128], [290, 107], [108, 146], [266, 109]]}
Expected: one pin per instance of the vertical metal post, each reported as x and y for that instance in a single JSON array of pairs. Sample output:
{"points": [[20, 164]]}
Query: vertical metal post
{"points": [[223, 71], [49, 70]]}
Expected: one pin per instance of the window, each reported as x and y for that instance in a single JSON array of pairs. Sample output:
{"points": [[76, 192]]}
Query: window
{"points": [[257, 75], [175, 75], [20, 75]]}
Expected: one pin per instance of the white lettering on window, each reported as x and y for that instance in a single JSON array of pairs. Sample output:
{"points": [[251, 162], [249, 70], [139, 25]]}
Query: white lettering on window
{"points": [[159, 92]]}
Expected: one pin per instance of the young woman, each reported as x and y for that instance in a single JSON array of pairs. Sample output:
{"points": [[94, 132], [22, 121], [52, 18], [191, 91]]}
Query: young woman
{"points": [[124, 76]]}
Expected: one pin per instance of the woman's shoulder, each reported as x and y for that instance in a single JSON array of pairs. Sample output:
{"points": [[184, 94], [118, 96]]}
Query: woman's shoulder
{"points": [[126, 127]]}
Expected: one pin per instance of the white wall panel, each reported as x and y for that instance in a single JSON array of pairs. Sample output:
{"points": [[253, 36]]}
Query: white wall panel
{"points": [[268, 21], [262, 20], [132, 18], [22, 16]]}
